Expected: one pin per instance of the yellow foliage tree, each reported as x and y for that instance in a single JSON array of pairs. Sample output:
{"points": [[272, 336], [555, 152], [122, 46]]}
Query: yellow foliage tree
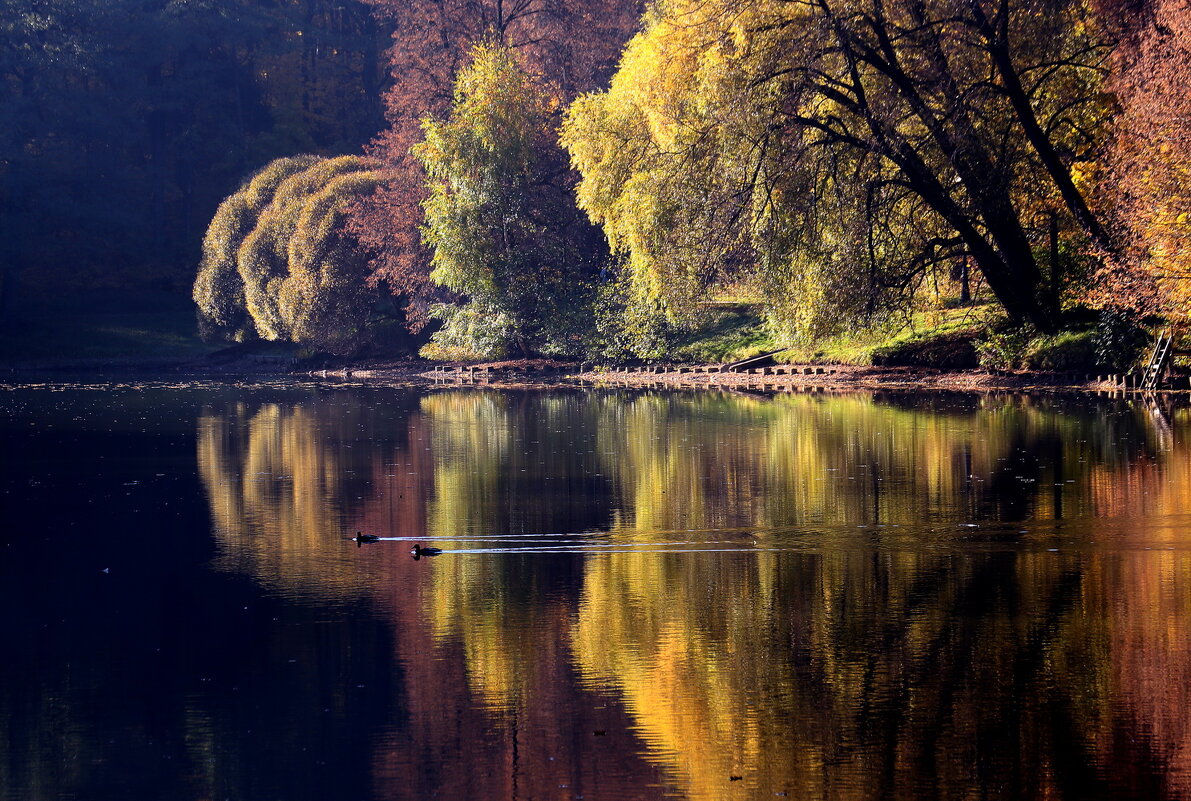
{"points": [[263, 258], [218, 288], [833, 157]]}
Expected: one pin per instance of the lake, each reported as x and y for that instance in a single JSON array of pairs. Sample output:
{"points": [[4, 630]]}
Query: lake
{"points": [[641, 595]]}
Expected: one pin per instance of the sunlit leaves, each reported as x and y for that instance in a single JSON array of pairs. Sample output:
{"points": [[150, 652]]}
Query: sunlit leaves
{"points": [[570, 45], [278, 262], [219, 289], [1149, 171], [500, 216], [834, 157]]}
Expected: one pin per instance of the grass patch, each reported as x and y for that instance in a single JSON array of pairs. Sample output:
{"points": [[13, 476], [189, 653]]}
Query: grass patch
{"points": [[938, 338], [1066, 350], [729, 335], [935, 338]]}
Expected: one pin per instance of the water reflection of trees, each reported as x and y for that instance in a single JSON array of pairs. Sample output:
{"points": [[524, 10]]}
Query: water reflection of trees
{"points": [[723, 461], [885, 658], [285, 481]]}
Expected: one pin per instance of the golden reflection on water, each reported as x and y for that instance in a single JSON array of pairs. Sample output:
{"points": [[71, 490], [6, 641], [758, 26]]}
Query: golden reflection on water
{"points": [[896, 598]]}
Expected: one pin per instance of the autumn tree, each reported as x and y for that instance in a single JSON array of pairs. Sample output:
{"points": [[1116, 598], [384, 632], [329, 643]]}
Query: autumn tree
{"points": [[833, 154], [324, 301], [1148, 175], [501, 218], [219, 287], [571, 45], [279, 262]]}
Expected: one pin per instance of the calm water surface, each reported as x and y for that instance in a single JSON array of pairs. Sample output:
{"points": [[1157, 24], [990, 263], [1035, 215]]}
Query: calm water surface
{"points": [[641, 595]]}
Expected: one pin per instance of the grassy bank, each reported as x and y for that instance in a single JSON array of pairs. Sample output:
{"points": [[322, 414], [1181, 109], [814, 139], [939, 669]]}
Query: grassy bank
{"points": [[937, 338], [953, 338]]}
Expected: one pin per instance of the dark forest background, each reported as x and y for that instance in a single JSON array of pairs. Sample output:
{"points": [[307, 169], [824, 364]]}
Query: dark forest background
{"points": [[125, 122]]}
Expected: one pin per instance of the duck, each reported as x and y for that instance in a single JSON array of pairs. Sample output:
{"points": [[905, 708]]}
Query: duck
{"points": [[417, 552], [361, 538]]}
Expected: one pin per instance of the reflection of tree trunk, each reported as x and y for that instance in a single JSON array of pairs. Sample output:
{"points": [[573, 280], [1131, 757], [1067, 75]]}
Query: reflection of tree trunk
{"points": [[1059, 479], [949, 662]]}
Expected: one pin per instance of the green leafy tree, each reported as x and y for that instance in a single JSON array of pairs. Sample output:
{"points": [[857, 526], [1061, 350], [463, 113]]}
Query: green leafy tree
{"points": [[501, 217]]}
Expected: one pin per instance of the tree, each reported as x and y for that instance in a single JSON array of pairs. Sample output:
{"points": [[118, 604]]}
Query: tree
{"points": [[833, 154], [264, 256], [219, 288], [279, 262], [324, 300], [1148, 175], [571, 45], [501, 218]]}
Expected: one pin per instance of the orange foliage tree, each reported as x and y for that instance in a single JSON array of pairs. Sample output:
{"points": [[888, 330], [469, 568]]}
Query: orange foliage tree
{"points": [[1149, 164]]}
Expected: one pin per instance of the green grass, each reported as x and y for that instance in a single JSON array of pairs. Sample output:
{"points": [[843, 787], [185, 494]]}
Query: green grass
{"points": [[917, 334], [738, 333], [729, 335], [101, 325]]}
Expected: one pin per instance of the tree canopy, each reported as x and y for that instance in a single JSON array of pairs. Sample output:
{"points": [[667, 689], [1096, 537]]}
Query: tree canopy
{"points": [[279, 262], [829, 161], [501, 219], [1148, 188], [570, 46], [832, 154]]}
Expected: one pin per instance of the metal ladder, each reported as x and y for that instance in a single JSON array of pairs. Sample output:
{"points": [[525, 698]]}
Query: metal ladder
{"points": [[1159, 361]]}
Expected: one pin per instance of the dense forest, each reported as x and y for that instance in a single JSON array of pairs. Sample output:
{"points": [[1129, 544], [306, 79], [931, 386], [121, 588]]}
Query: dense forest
{"points": [[551, 177], [127, 121]]}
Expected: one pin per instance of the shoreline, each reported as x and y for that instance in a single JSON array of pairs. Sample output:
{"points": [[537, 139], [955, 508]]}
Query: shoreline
{"points": [[784, 378], [542, 373]]}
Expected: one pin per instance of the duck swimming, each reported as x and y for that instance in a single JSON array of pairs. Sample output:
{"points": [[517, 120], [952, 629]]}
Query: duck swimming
{"points": [[417, 552], [360, 538]]}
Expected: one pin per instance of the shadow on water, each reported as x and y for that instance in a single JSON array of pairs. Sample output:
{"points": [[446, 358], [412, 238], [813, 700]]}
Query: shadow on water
{"points": [[640, 595]]}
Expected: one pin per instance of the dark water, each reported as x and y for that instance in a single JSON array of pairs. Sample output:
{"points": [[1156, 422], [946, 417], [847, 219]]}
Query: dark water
{"points": [[641, 596]]}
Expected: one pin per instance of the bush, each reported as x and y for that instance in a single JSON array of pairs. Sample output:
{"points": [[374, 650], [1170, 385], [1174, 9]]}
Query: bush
{"points": [[627, 328], [279, 262], [1065, 351], [1119, 340], [469, 333], [1004, 350]]}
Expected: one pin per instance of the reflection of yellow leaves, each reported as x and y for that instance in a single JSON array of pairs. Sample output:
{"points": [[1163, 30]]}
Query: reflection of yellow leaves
{"points": [[471, 440], [274, 489], [713, 463], [724, 660], [692, 683], [686, 641]]}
